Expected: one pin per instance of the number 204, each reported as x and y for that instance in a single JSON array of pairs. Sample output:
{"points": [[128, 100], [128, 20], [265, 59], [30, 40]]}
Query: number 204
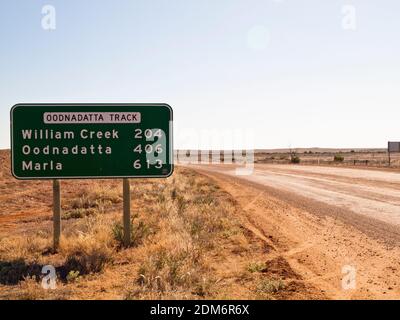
{"points": [[148, 133]]}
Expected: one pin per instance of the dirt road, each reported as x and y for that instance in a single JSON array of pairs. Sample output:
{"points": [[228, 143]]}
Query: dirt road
{"points": [[358, 193], [324, 221]]}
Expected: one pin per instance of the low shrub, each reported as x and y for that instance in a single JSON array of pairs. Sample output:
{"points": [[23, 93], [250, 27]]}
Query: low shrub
{"points": [[294, 159], [256, 267], [88, 261], [338, 158], [139, 231], [270, 286]]}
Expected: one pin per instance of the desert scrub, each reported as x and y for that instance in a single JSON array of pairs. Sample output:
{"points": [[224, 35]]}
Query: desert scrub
{"points": [[294, 159], [78, 213], [270, 286], [91, 249], [169, 270], [30, 289], [205, 199], [192, 215], [338, 158], [204, 225], [139, 231], [186, 238], [106, 194], [93, 201], [31, 246], [21, 257], [203, 287], [73, 276], [87, 259], [256, 267]]}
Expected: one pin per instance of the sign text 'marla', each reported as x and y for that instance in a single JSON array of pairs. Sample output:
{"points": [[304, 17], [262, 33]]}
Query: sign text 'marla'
{"points": [[91, 140]]}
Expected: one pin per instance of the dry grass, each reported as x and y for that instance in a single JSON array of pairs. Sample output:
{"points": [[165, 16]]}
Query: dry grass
{"points": [[256, 267], [187, 243], [270, 286], [98, 199], [139, 231]]}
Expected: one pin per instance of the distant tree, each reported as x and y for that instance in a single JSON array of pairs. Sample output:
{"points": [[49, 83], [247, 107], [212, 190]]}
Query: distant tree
{"points": [[338, 158], [294, 158]]}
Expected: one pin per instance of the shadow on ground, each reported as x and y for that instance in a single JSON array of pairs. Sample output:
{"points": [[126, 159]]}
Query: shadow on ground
{"points": [[12, 272]]}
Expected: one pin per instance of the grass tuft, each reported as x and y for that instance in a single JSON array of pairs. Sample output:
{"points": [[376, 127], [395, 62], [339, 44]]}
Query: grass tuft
{"points": [[270, 286], [256, 267], [139, 231]]}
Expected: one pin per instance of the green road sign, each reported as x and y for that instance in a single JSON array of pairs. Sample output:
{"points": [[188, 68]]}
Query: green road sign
{"points": [[91, 141]]}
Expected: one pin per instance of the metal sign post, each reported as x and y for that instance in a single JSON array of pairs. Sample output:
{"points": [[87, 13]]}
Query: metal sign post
{"points": [[56, 214], [127, 212], [91, 141]]}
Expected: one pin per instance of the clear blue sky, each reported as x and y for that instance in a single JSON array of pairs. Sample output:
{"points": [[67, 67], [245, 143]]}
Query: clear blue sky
{"points": [[284, 68]]}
